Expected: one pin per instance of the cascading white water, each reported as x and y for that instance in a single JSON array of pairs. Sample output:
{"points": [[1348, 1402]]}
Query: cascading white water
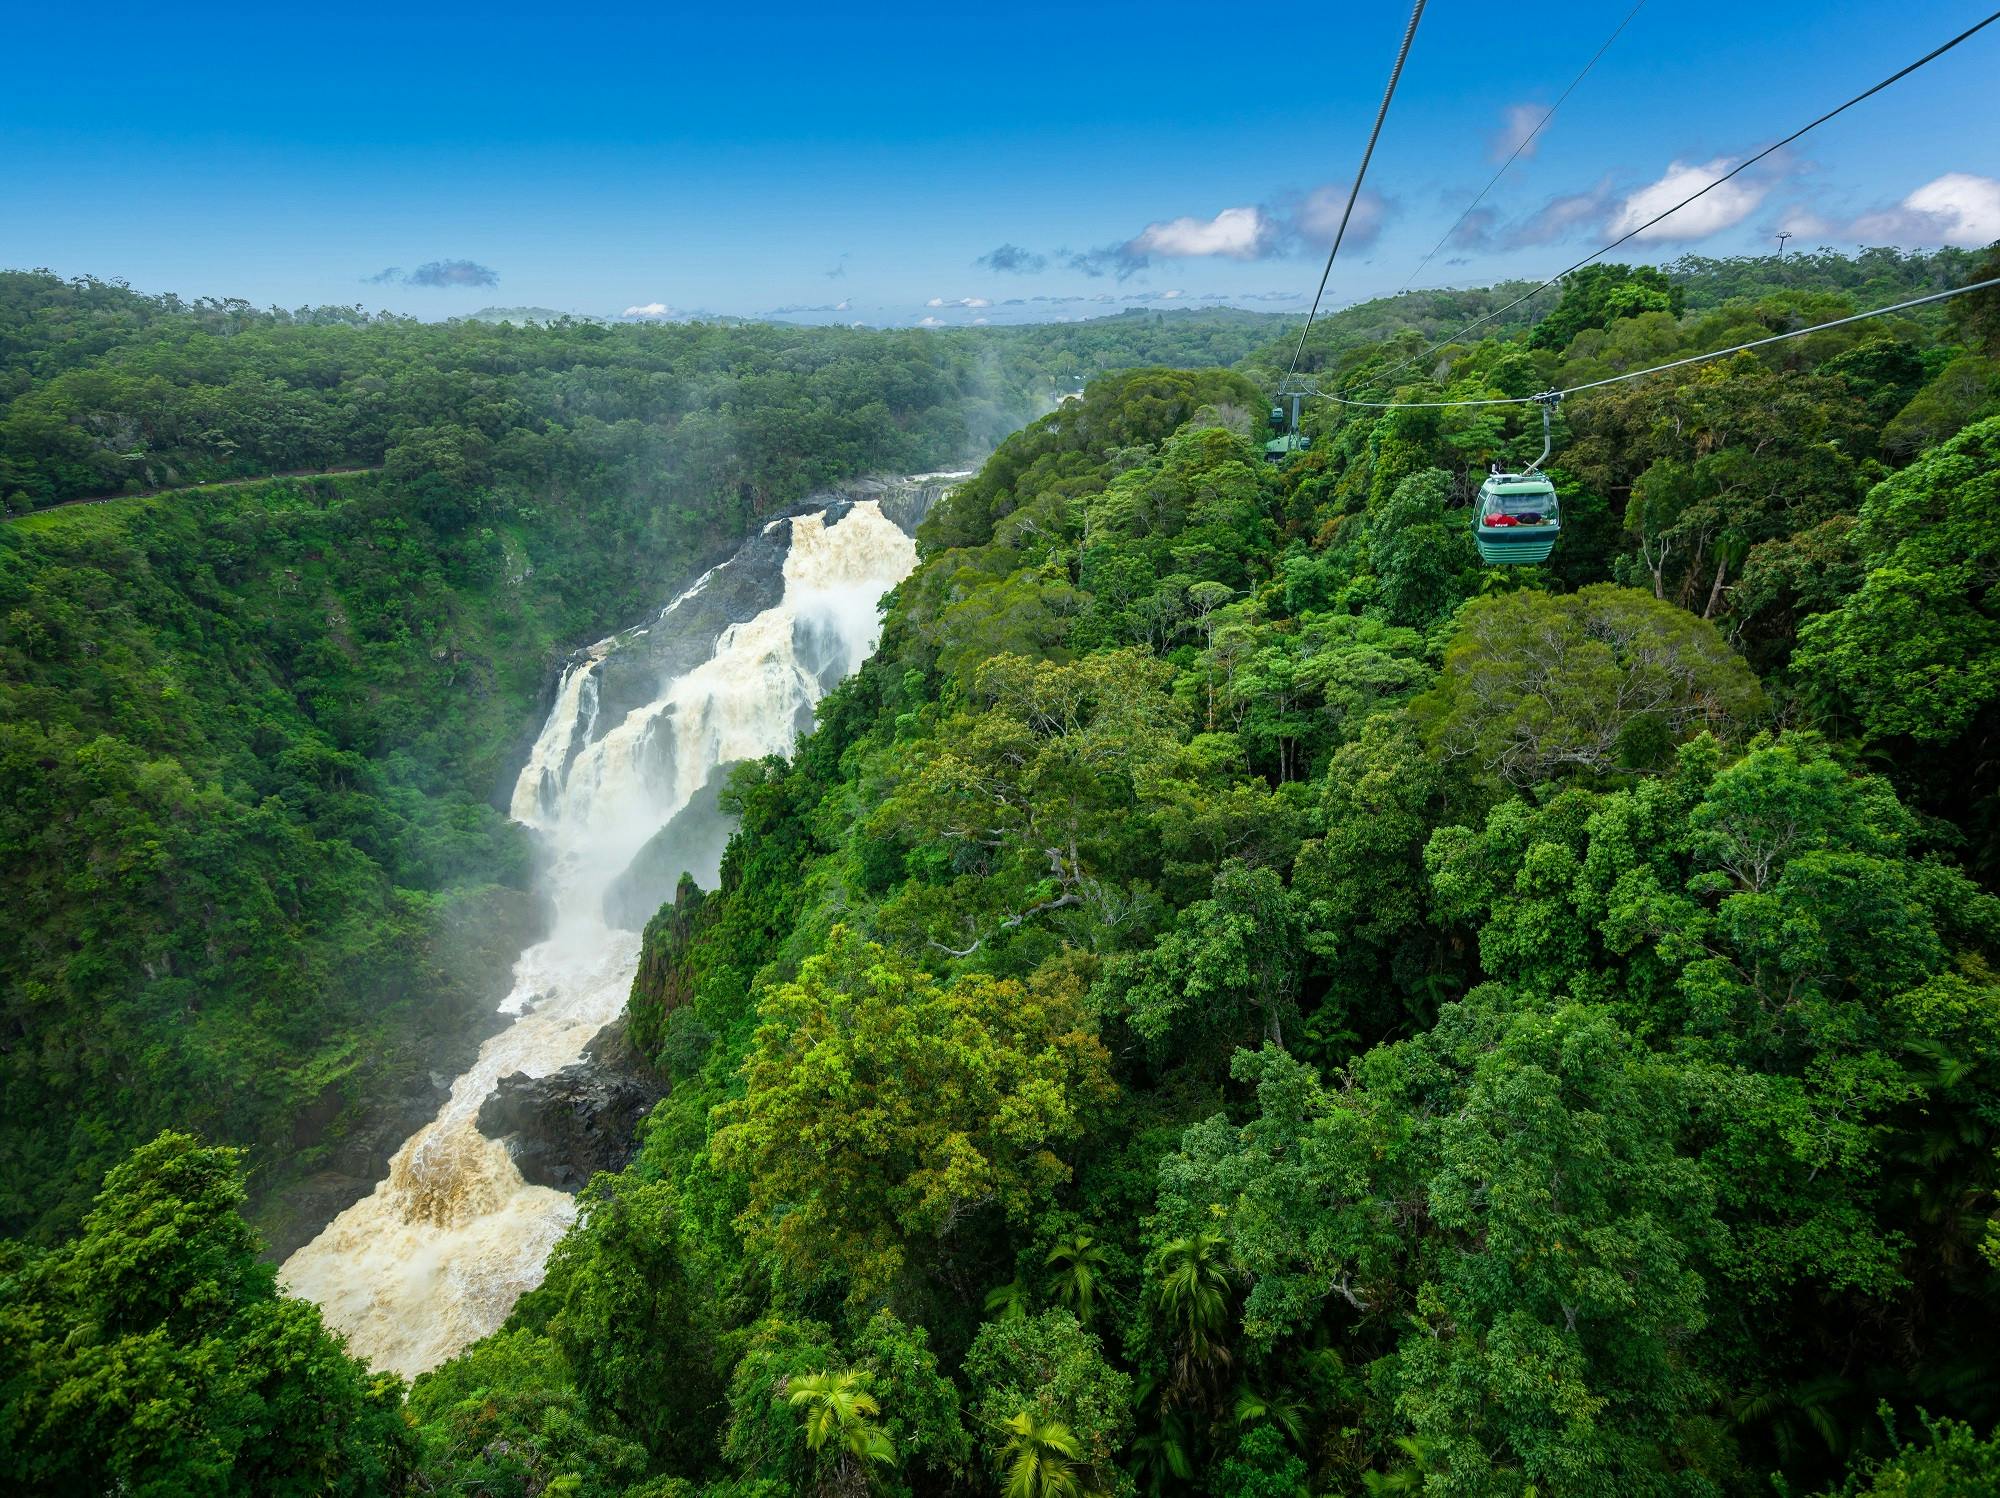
{"points": [[436, 1257]]}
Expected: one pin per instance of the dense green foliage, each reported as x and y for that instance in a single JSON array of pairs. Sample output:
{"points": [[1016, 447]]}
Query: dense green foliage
{"points": [[104, 391], [152, 1355], [250, 737], [1235, 999]]}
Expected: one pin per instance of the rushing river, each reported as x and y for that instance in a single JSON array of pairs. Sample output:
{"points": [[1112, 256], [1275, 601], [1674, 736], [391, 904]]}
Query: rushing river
{"points": [[643, 725]]}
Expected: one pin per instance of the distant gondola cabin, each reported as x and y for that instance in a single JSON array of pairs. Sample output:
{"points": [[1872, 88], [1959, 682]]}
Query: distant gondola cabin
{"points": [[1280, 448], [1516, 519]]}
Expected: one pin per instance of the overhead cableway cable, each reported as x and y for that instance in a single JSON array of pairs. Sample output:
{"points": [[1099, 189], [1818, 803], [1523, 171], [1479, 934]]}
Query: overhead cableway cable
{"points": [[1525, 141], [1354, 195], [1640, 374], [1895, 77]]}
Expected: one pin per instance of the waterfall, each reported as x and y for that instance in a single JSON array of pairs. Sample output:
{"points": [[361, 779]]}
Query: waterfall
{"points": [[436, 1257]]}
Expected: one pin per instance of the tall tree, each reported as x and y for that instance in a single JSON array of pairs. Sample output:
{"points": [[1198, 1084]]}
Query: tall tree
{"points": [[629, 1322], [842, 1423], [1043, 1460], [882, 1108], [1535, 687], [1598, 295], [153, 1355], [1917, 651], [1051, 1373], [1191, 1287], [1079, 1264]]}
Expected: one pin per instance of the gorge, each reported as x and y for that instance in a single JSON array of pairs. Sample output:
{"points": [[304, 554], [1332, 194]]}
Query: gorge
{"points": [[644, 726]]}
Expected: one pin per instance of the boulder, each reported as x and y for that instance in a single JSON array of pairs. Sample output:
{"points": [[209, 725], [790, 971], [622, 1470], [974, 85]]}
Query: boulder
{"points": [[563, 1128]]}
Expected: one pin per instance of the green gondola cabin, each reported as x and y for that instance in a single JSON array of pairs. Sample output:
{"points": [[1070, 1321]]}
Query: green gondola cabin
{"points": [[1287, 440], [1516, 519]]}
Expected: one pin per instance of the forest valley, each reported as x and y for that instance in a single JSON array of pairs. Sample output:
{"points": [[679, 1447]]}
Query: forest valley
{"points": [[1235, 998]]}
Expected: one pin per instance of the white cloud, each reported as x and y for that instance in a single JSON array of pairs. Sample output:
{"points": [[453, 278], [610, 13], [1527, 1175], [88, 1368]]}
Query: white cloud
{"points": [[1517, 127], [1722, 208], [1239, 233], [979, 322], [1801, 223], [796, 307], [1318, 218], [1558, 218], [1294, 223], [1958, 208], [930, 322], [962, 301], [650, 309]]}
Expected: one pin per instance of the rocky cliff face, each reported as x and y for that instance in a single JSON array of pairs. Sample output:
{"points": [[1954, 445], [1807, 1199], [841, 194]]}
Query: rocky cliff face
{"points": [[741, 588], [690, 845], [905, 501], [563, 1128], [353, 1139], [748, 583]]}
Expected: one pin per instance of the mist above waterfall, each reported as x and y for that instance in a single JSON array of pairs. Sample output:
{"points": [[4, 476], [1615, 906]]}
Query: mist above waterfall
{"points": [[642, 724]]}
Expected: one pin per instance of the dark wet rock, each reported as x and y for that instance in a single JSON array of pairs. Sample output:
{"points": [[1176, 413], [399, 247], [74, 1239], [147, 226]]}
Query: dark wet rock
{"points": [[692, 842], [356, 1143], [904, 501], [742, 584], [346, 1137], [563, 1128], [683, 634], [908, 504], [309, 1205]]}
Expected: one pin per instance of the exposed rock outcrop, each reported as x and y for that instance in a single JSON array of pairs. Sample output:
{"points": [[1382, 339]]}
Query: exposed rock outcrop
{"points": [[665, 980], [904, 501], [353, 1129], [563, 1128], [684, 633], [692, 842]]}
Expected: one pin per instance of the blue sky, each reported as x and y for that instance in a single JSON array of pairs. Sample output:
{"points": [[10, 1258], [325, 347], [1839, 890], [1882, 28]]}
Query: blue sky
{"points": [[799, 157]]}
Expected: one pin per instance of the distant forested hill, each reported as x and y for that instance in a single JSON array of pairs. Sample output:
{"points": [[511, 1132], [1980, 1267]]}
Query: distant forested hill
{"points": [[1409, 321], [104, 391]]}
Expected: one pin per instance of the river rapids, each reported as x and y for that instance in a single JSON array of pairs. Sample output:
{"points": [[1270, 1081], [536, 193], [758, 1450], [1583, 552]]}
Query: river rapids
{"points": [[644, 725]]}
